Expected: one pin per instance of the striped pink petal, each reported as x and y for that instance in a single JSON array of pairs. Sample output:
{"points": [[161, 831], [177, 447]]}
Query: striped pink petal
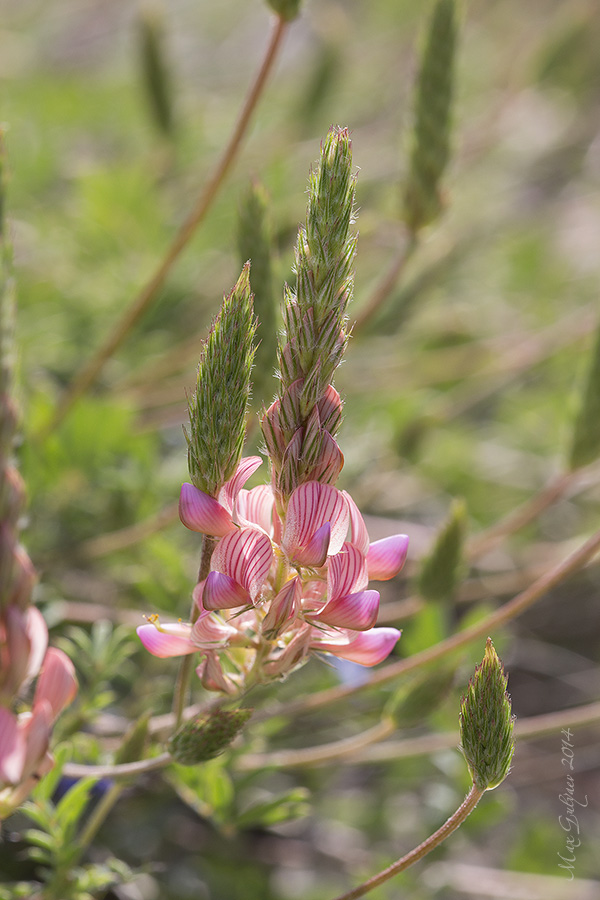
{"points": [[366, 648], [356, 611], [213, 678], [246, 467], [245, 556], [255, 508], [283, 609], [346, 572], [210, 632], [57, 682], [314, 554], [331, 461], [359, 535], [223, 592], [37, 632], [37, 728], [167, 640], [12, 748], [385, 558], [201, 512], [311, 506]]}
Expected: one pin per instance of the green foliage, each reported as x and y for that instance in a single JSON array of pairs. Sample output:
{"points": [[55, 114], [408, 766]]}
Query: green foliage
{"points": [[441, 570], [414, 702], [156, 77]]}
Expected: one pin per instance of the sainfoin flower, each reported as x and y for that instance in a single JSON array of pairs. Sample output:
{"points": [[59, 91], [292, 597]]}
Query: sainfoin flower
{"points": [[284, 590]]}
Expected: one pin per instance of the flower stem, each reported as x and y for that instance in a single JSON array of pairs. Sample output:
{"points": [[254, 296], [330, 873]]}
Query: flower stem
{"points": [[185, 669], [456, 819], [89, 373]]}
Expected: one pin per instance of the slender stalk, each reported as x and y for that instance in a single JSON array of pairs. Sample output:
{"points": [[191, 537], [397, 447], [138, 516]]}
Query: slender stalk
{"points": [[387, 283], [501, 616], [466, 807], [185, 669], [89, 373]]}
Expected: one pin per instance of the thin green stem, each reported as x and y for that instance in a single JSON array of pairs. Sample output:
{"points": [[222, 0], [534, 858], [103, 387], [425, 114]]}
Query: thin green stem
{"points": [[89, 373], [455, 820]]}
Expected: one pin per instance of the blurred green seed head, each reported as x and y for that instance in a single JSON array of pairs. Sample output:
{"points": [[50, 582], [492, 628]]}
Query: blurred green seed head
{"points": [[286, 9], [430, 144], [585, 442], [207, 736], [219, 405], [441, 569], [486, 723], [156, 78]]}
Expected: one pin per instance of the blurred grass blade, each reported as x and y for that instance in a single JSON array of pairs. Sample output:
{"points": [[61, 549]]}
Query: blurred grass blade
{"points": [[585, 446], [430, 149], [156, 77], [255, 244], [441, 569]]}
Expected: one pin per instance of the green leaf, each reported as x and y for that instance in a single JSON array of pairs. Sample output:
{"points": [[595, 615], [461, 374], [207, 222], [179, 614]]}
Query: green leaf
{"points": [[285, 807], [585, 442]]}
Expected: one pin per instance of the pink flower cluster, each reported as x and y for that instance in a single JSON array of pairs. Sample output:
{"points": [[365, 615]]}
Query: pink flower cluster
{"points": [[278, 590], [24, 738]]}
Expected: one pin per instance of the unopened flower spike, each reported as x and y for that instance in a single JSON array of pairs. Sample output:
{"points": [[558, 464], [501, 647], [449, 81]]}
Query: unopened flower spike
{"points": [[486, 723], [207, 736], [300, 426], [218, 407]]}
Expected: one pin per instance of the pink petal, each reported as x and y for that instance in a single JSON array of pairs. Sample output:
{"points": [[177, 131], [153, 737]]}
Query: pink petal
{"points": [[245, 556], [255, 508], [223, 592], [18, 645], [331, 461], [246, 467], [37, 632], [366, 648], [57, 682], [387, 556], [358, 530], [311, 506], [37, 728], [213, 678], [314, 554], [209, 632], [201, 512], [167, 640], [346, 572], [330, 409], [283, 609], [356, 611], [12, 748]]}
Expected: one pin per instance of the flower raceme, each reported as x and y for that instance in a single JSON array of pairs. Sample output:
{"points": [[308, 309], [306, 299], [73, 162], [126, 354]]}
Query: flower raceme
{"points": [[280, 589]]}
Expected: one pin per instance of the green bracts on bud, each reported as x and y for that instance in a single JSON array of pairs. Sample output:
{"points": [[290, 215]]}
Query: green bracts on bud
{"points": [[585, 446], [254, 243], [286, 9], [441, 569], [486, 723], [430, 150], [207, 736], [155, 74], [219, 405]]}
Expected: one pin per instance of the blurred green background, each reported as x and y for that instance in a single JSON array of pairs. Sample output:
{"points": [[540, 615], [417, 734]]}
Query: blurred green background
{"points": [[464, 385]]}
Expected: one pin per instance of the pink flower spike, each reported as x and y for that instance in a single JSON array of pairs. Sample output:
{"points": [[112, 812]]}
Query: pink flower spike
{"points": [[367, 648], [311, 506], [57, 682], [12, 748], [355, 611], [387, 557], [166, 640], [246, 557], [223, 592], [246, 467]]}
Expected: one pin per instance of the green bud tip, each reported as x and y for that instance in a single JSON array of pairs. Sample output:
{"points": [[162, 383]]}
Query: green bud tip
{"points": [[207, 736], [486, 723]]}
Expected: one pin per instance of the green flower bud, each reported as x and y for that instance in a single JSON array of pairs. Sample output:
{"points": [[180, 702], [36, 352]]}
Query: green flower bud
{"points": [[486, 723], [285, 9], [155, 73], [219, 405], [441, 569], [207, 736]]}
